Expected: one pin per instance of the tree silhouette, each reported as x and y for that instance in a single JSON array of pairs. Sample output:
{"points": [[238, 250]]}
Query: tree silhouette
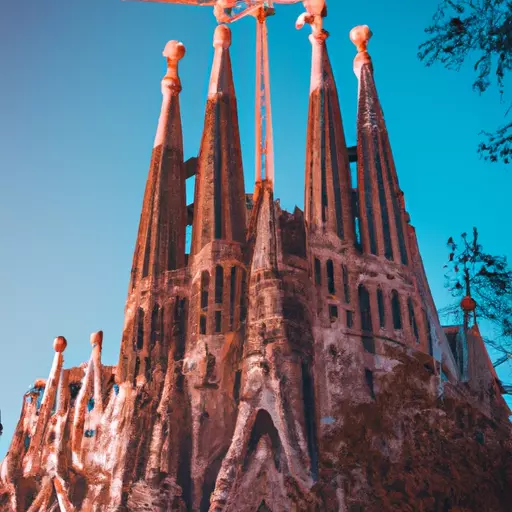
{"points": [[481, 29], [488, 280]]}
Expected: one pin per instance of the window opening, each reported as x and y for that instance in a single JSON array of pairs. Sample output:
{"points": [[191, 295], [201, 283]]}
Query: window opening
{"points": [[330, 277], [205, 283], [318, 272], [219, 284], [395, 307], [380, 304]]}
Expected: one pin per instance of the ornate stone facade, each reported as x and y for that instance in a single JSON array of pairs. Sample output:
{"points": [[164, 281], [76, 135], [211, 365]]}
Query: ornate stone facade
{"points": [[290, 362]]}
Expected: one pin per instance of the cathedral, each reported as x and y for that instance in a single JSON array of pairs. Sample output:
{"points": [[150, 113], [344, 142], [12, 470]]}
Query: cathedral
{"points": [[285, 361]]}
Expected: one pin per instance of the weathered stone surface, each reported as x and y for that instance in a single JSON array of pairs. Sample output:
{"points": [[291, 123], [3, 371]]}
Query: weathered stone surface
{"points": [[287, 364]]}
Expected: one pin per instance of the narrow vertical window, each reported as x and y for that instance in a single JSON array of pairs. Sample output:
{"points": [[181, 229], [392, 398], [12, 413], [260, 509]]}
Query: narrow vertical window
{"points": [[395, 307], [155, 326], [137, 368], [205, 283], [140, 329], [365, 309], [346, 284], [218, 321], [380, 304], [330, 278], [333, 313], [243, 291], [429, 334], [412, 320], [350, 319], [179, 328], [219, 284], [232, 298], [318, 272], [202, 324]]}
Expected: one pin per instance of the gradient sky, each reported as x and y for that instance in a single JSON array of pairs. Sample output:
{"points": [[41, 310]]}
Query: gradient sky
{"points": [[79, 103]]}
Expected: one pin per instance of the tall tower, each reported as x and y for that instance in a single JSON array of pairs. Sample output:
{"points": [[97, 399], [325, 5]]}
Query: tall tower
{"points": [[382, 209], [160, 246], [218, 275]]}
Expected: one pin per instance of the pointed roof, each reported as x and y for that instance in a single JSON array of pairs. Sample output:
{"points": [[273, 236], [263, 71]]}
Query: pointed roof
{"points": [[161, 239], [328, 200], [219, 211], [382, 211], [264, 230]]}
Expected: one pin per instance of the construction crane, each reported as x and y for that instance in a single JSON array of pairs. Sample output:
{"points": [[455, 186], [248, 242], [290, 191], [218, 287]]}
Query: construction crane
{"points": [[229, 11]]}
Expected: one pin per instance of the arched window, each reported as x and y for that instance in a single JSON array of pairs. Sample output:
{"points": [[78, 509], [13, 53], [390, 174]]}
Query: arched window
{"points": [[318, 272], [365, 309], [205, 283], [232, 298], [380, 304], [140, 329], [330, 277], [395, 308], [412, 320], [219, 284], [346, 286]]}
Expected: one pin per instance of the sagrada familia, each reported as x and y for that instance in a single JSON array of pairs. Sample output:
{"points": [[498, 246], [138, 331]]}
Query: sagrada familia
{"points": [[290, 362]]}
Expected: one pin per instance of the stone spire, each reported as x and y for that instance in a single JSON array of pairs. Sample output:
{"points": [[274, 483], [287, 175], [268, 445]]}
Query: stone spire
{"points": [[33, 456], [328, 200], [272, 420], [381, 206], [161, 239], [219, 211]]}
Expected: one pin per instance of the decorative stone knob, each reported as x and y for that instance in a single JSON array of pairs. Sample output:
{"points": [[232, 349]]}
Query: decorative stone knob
{"points": [[174, 51], [40, 383], [60, 344], [468, 304], [222, 37], [360, 36], [97, 338]]}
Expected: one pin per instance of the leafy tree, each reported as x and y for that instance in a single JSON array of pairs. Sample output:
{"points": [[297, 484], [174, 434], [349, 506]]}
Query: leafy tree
{"points": [[479, 29], [488, 280]]}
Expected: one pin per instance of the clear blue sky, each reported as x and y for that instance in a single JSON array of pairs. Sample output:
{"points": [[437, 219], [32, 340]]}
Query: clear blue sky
{"points": [[79, 102]]}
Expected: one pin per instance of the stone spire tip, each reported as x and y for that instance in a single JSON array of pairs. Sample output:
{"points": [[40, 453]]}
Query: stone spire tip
{"points": [[360, 36], [222, 37], [97, 338], [60, 344], [174, 51]]}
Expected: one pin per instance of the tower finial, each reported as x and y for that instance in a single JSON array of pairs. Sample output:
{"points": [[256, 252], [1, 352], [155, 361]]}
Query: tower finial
{"points": [[360, 36], [316, 10], [60, 344], [97, 339], [222, 37], [174, 51]]}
